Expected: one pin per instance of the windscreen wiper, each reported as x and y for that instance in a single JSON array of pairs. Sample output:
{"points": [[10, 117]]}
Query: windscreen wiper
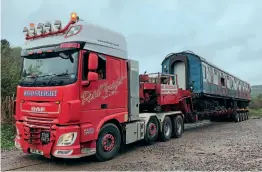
{"points": [[36, 78], [64, 74], [43, 77], [55, 75], [30, 83], [30, 76]]}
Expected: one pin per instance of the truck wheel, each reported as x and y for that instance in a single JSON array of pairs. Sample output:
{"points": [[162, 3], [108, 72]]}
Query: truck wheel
{"points": [[152, 130], [166, 129], [178, 126], [108, 143]]}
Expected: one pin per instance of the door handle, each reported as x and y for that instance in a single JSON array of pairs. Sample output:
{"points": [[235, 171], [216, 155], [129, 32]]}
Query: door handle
{"points": [[103, 106]]}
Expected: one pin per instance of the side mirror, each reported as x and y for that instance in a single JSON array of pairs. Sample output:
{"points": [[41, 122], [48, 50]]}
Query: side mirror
{"points": [[92, 76], [92, 61]]}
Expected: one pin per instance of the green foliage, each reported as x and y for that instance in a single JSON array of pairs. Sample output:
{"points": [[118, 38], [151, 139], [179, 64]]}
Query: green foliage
{"points": [[256, 112], [256, 102], [10, 68], [256, 89], [7, 136]]}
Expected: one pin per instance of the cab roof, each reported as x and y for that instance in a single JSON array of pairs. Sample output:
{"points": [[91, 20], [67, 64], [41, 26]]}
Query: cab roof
{"points": [[96, 38]]}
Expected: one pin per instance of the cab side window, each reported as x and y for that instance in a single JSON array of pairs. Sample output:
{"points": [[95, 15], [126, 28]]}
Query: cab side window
{"points": [[85, 66], [101, 70]]}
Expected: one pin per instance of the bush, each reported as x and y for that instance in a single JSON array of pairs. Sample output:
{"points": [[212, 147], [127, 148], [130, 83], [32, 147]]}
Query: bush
{"points": [[7, 136], [256, 102], [254, 112]]}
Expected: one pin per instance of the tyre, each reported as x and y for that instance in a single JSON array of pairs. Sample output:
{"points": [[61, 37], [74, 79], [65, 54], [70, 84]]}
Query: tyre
{"points": [[167, 129], [152, 130], [236, 117], [178, 128], [108, 143], [240, 117]]}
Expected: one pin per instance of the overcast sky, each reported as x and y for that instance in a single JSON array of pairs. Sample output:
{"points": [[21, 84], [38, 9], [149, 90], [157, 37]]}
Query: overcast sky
{"points": [[228, 33]]}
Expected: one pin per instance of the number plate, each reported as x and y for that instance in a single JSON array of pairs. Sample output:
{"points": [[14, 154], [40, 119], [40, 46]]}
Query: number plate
{"points": [[35, 151], [45, 136]]}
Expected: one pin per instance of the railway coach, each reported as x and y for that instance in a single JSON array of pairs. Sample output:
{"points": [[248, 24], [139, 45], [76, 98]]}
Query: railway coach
{"points": [[211, 86]]}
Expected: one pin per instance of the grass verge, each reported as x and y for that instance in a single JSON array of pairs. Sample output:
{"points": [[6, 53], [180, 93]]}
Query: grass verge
{"points": [[7, 136], [255, 112]]}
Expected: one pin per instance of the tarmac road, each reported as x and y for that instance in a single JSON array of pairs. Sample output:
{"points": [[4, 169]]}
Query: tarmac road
{"points": [[206, 146]]}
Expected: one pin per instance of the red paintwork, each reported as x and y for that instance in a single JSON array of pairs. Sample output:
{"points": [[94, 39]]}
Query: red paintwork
{"points": [[94, 61], [168, 96], [108, 142]]}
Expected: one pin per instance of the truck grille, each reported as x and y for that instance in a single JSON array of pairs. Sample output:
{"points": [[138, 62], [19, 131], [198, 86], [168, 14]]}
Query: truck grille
{"points": [[38, 130]]}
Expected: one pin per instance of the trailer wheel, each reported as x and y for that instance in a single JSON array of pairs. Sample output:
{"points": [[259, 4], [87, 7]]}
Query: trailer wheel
{"points": [[241, 117], [152, 130], [245, 116], [178, 126], [167, 129], [236, 117], [108, 142]]}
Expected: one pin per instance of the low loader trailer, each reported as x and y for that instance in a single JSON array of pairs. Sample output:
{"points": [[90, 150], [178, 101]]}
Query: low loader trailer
{"points": [[80, 95]]}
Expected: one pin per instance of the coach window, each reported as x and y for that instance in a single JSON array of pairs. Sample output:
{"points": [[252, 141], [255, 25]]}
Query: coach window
{"points": [[205, 72], [101, 67], [231, 83], [222, 79], [215, 71], [228, 81]]}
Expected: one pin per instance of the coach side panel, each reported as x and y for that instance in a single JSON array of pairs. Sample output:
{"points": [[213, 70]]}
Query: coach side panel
{"points": [[217, 82]]}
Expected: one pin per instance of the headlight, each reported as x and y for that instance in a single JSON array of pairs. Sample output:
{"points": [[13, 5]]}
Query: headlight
{"points": [[67, 139]]}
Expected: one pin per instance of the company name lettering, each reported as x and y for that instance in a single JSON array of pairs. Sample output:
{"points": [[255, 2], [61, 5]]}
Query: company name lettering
{"points": [[40, 93]]}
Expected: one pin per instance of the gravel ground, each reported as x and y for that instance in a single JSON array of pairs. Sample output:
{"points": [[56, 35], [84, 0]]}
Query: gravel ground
{"points": [[204, 146]]}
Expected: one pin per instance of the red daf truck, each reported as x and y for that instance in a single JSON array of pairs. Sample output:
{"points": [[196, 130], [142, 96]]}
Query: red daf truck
{"points": [[80, 95]]}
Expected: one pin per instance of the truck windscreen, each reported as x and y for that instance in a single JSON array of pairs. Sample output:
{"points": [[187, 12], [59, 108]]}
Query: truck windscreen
{"points": [[54, 69]]}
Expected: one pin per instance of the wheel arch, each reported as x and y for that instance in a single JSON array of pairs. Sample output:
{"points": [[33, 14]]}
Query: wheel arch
{"points": [[116, 119]]}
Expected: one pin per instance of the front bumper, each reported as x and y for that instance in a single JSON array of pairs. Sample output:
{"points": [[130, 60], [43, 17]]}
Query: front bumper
{"points": [[76, 150]]}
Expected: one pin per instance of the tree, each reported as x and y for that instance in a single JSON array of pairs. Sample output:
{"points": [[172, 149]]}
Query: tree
{"points": [[10, 68]]}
